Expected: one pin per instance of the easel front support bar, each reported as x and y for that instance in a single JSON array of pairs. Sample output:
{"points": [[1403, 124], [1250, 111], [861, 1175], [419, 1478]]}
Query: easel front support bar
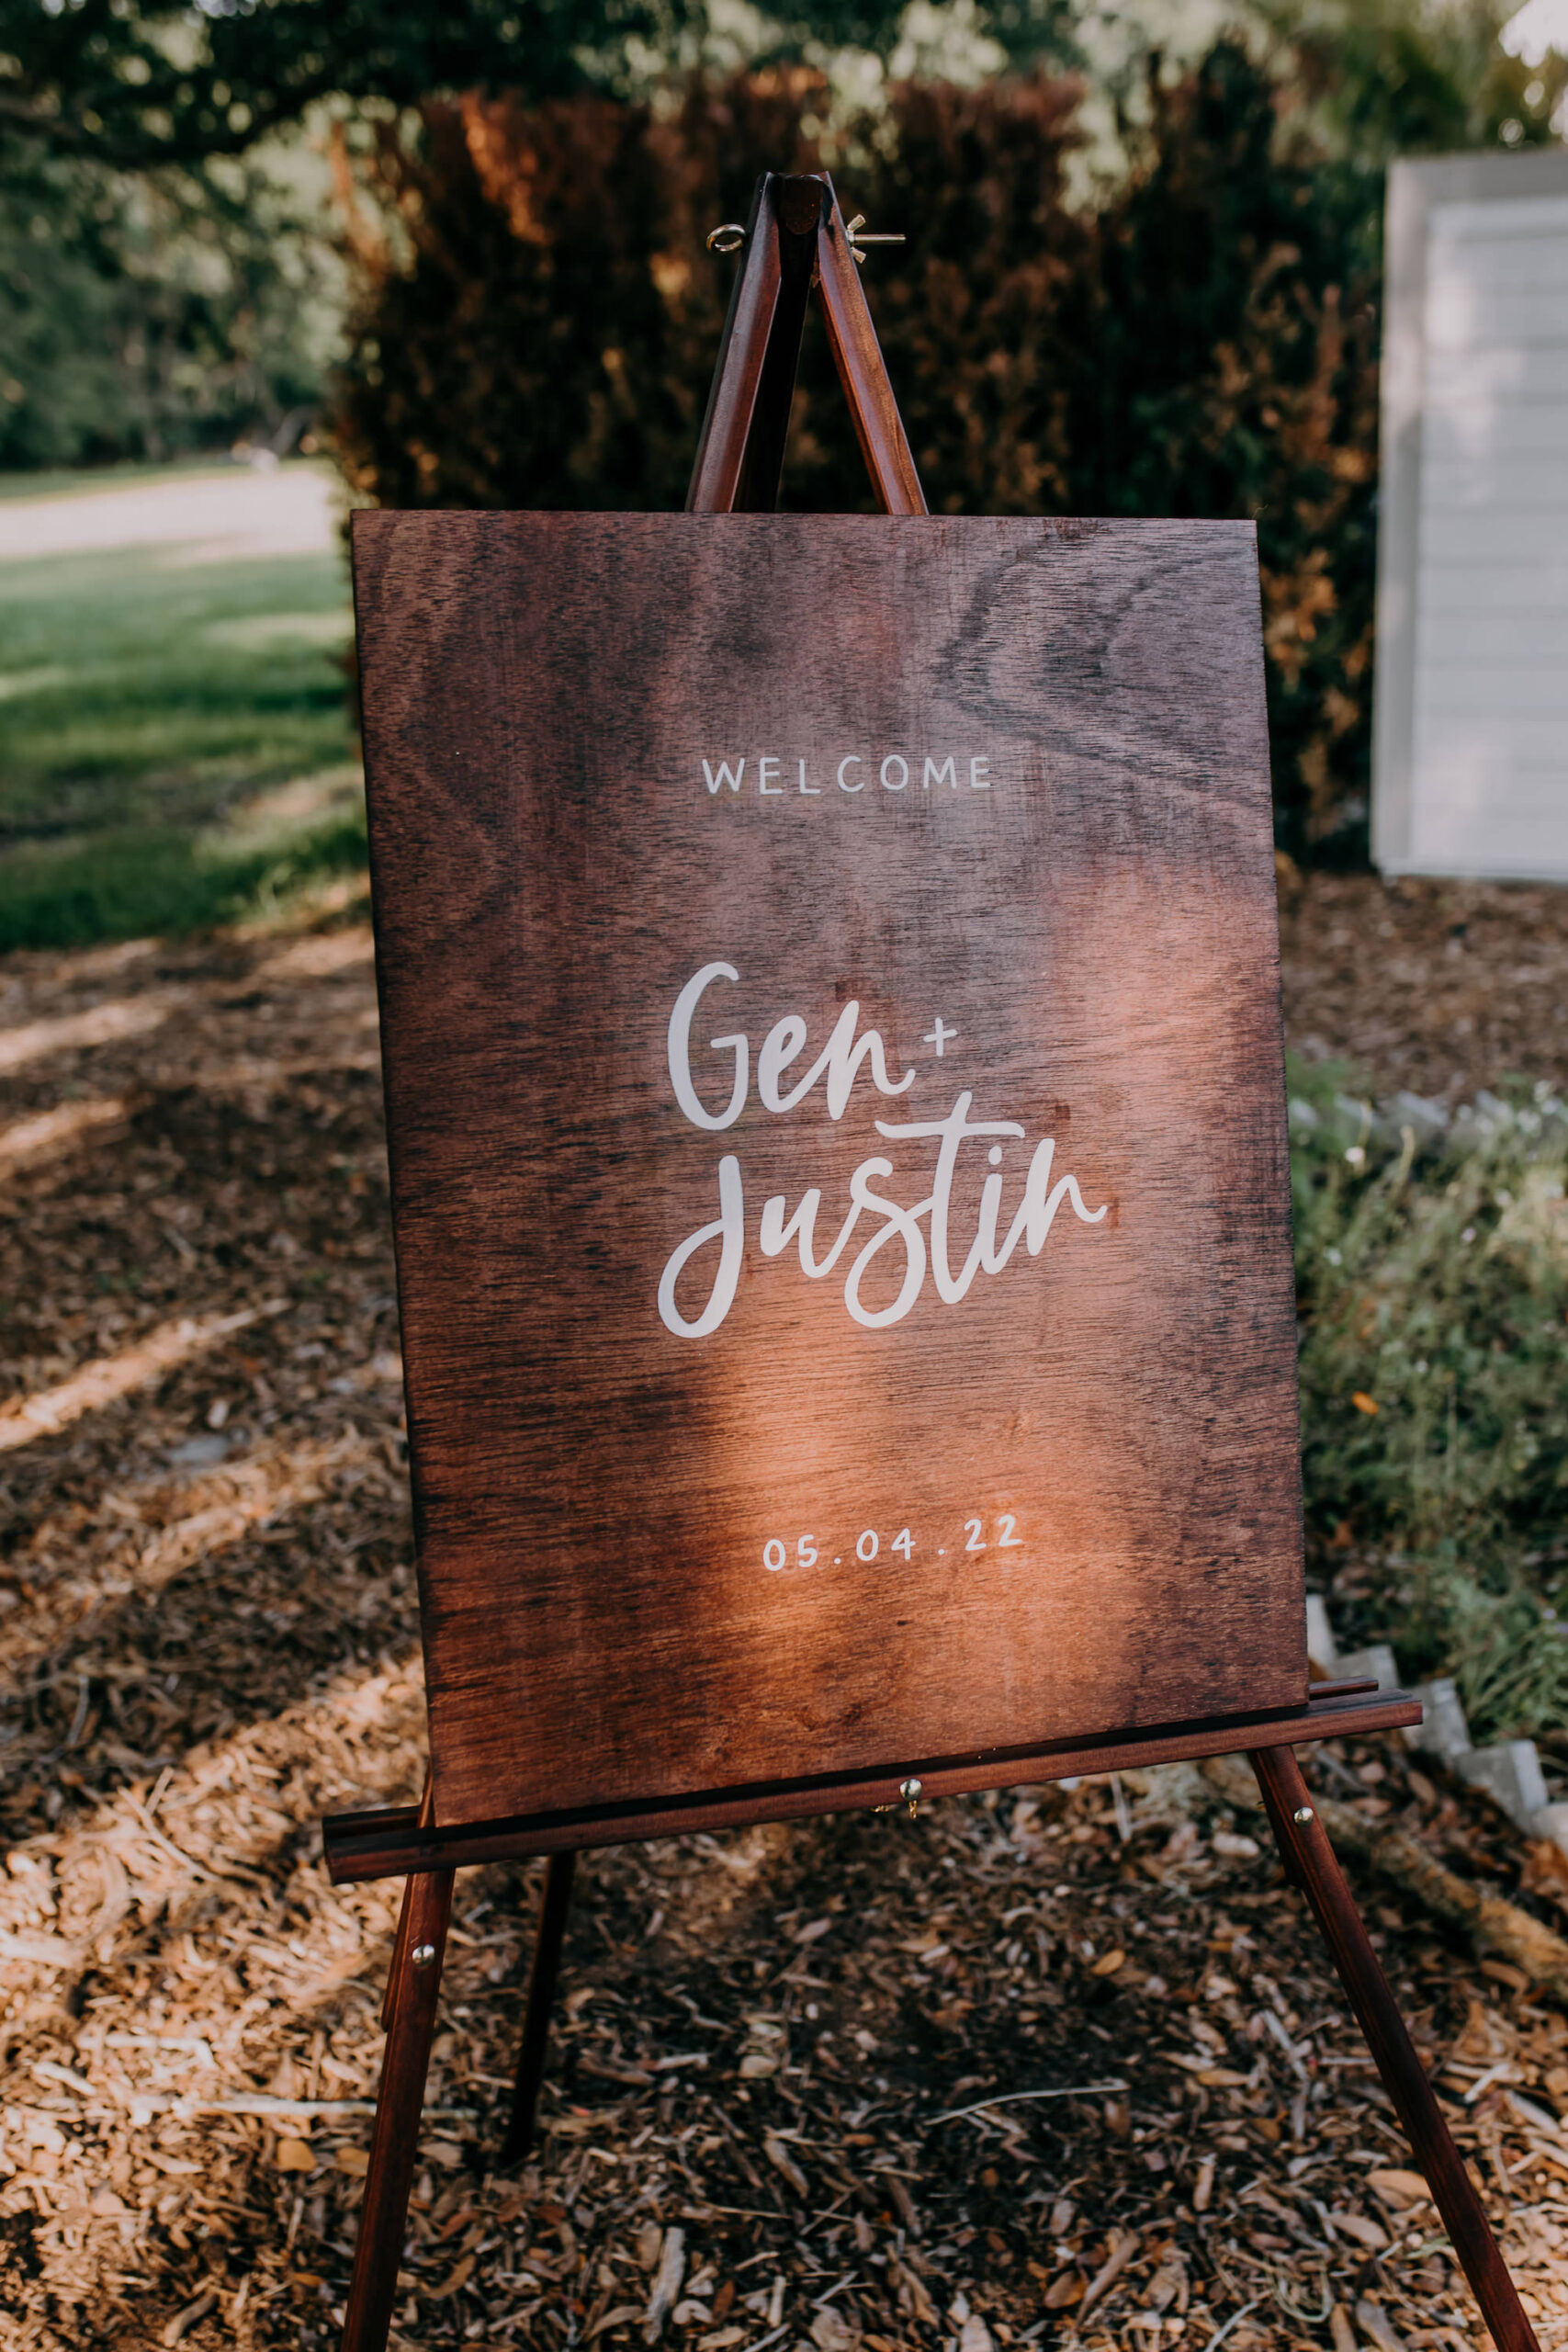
{"points": [[388, 1845], [1303, 1842]]}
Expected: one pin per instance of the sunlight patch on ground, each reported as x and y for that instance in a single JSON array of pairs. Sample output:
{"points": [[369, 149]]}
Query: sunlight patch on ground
{"points": [[234, 1499], [318, 956], [134, 1850], [98, 1384], [100, 1024], [33, 682], [56, 1130], [261, 630], [304, 800]]}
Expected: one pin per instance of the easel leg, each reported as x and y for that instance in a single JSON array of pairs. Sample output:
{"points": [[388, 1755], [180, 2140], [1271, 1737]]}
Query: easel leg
{"points": [[536, 2016], [410, 2012], [400, 1942], [1305, 1845]]}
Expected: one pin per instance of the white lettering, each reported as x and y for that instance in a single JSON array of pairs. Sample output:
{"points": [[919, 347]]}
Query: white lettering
{"points": [[954, 1130], [841, 1057], [729, 1231], [894, 768], [903, 1225], [924, 1246], [680, 1051], [1039, 1208], [774, 1234], [780, 1046]]}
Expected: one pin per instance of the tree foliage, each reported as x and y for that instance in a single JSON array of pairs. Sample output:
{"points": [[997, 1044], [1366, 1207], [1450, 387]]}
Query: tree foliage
{"points": [[139, 85], [141, 315], [537, 324], [1394, 77]]}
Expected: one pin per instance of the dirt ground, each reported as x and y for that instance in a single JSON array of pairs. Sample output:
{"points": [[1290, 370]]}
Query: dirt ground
{"points": [[1061, 2067], [1441, 988]]}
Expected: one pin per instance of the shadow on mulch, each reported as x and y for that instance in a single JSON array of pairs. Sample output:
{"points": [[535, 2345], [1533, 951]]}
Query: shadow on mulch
{"points": [[1166, 2125]]}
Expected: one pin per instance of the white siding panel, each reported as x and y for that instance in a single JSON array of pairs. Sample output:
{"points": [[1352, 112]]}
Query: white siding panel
{"points": [[1461, 319], [1467, 428], [1535, 703], [1488, 219], [1508, 480], [1450, 540], [1502, 263], [1524, 372], [1486, 637], [1489, 778], [1519, 587]]}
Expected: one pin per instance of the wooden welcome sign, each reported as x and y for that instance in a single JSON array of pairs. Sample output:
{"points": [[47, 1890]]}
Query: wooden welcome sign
{"points": [[831, 1029], [837, 1121]]}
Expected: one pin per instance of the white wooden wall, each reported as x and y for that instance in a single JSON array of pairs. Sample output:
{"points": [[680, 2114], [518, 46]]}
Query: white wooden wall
{"points": [[1470, 753]]}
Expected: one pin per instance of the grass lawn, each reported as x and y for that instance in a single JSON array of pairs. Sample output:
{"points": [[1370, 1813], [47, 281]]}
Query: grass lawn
{"points": [[175, 743]]}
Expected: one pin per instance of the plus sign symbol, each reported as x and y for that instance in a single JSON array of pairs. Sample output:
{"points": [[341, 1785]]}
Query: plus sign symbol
{"points": [[938, 1036]]}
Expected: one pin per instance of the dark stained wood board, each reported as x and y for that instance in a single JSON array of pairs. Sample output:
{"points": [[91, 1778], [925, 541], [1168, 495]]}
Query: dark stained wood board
{"points": [[1091, 919]]}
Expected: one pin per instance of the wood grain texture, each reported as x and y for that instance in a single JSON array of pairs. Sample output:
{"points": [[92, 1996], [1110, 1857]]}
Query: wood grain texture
{"points": [[1092, 921]]}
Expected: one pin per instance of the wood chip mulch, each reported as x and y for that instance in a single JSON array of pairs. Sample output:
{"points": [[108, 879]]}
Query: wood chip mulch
{"points": [[1441, 988], [1063, 2067]]}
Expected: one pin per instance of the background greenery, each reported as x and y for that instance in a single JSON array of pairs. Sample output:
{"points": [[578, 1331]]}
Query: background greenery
{"points": [[1433, 1291]]}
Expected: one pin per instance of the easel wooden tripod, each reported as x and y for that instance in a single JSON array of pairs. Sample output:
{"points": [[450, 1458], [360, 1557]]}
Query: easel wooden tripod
{"points": [[797, 238]]}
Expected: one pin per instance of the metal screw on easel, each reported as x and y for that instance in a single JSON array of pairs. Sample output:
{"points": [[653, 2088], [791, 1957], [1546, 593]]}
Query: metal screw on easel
{"points": [[859, 237], [911, 1789], [422, 1954], [1302, 1815], [730, 235]]}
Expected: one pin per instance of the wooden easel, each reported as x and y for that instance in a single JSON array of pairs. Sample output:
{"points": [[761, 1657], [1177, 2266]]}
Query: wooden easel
{"points": [[795, 239]]}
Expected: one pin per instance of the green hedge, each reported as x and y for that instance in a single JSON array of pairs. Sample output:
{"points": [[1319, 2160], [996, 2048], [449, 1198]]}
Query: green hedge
{"points": [[538, 325]]}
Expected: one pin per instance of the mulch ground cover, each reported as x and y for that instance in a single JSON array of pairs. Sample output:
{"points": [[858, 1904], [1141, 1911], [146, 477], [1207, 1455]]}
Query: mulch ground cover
{"points": [[1442, 988], [1061, 2066]]}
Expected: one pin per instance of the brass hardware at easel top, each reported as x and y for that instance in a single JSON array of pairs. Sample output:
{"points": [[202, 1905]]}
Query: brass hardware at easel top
{"points": [[858, 237], [730, 235]]}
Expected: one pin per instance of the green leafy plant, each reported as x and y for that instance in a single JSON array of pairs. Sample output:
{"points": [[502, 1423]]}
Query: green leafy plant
{"points": [[1433, 1288]]}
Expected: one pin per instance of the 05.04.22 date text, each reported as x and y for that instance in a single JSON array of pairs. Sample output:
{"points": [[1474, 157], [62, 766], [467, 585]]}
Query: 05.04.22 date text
{"points": [[807, 1551]]}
